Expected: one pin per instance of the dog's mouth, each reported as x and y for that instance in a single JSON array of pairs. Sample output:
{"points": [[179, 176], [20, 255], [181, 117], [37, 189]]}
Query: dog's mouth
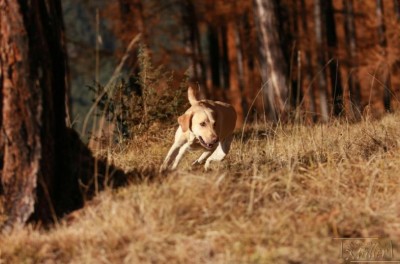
{"points": [[206, 145]]}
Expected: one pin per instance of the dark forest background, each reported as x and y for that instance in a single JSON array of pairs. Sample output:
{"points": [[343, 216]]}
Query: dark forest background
{"points": [[330, 58]]}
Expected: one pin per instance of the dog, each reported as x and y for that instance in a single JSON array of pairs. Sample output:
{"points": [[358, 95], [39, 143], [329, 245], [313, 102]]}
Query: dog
{"points": [[209, 124]]}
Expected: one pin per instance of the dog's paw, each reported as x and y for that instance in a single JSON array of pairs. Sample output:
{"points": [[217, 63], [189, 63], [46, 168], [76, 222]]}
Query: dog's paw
{"points": [[207, 166], [198, 162], [195, 166], [163, 169]]}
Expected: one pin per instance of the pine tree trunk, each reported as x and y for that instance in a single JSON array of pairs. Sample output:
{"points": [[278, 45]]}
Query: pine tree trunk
{"points": [[234, 85], [383, 43], [335, 76], [224, 60], [189, 18], [351, 50], [319, 19], [396, 4], [33, 70], [43, 161], [309, 72], [273, 64], [243, 61], [213, 47]]}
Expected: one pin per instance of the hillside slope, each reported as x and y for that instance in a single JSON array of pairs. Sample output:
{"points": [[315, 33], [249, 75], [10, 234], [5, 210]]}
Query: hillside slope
{"points": [[281, 196]]}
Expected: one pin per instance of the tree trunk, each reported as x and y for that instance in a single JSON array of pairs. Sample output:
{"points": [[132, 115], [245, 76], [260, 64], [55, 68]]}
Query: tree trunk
{"points": [[351, 50], [309, 72], [224, 60], [33, 70], [234, 84], [319, 19], [241, 40], [397, 9], [213, 47], [335, 76], [273, 64], [385, 68], [130, 23], [43, 161], [189, 18]]}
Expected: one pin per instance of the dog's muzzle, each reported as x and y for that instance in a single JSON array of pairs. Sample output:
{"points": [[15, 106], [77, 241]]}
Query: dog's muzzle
{"points": [[207, 145]]}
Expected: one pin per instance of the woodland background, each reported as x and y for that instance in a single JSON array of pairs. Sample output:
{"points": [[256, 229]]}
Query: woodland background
{"points": [[336, 58]]}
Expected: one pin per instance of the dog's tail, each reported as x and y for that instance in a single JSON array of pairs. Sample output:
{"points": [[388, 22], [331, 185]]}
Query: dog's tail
{"points": [[192, 96]]}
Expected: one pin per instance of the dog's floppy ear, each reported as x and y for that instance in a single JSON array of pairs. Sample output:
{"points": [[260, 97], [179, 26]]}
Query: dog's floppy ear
{"points": [[192, 96], [184, 121]]}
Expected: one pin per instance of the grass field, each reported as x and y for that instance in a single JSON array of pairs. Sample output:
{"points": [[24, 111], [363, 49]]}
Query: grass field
{"points": [[281, 196]]}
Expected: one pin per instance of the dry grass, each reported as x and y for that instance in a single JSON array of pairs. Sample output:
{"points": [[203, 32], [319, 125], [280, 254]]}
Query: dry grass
{"points": [[279, 197]]}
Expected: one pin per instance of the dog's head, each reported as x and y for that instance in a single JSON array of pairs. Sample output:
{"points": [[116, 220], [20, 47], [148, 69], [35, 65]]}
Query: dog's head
{"points": [[201, 120]]}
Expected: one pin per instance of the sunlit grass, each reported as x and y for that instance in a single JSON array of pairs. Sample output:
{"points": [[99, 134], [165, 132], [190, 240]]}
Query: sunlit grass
{"points": [[279, 197]]}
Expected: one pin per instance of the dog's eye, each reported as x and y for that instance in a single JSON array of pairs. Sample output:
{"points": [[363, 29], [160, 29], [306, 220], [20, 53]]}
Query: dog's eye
{"points": [[203, 124]]}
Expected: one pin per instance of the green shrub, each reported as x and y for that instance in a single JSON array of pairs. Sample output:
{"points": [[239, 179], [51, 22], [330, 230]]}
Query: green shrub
{"points": [[133, 105]]}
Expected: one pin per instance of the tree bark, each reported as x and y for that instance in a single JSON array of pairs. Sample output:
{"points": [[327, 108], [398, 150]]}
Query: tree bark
{"points": [[43, 161], [224, 60], [33, 70], [396, 4], [189, 18], [213, 47], [309, 72], [273, 64], [234, 83], [383, 43], [335, 76], [351, 50], [319, 19], [241, 39]]}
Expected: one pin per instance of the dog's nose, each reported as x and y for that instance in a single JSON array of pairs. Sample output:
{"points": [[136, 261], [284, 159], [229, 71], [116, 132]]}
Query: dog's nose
{"points": [[215, 140]]}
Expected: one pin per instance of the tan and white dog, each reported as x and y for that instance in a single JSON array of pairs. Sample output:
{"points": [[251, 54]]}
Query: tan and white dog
{"points": [[207, 123]]}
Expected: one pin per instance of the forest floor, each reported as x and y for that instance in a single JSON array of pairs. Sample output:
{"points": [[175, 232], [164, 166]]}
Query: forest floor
{"points": [[291, 194]]}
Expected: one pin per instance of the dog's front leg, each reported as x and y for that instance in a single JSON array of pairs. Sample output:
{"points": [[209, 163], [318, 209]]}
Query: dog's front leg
{"points": [[172, 153], [182, 151], [179, 142], [220, 152], [203, 157]]}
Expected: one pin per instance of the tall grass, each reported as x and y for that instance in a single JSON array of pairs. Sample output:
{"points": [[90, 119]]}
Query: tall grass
{"points": [[281, 199]]}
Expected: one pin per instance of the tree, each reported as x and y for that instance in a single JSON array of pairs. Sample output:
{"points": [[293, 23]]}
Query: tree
{"points": [[332, 43], [319, 18], [308, 61], [234, 71], [33, 68], [273, 65], [383, 44], [42, 158], [214, 55], [396, 4], [351, 50], [193, 42]]}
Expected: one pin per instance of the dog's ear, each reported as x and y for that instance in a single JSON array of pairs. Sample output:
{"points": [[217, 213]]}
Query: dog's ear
{"points": [[184, 121], [192, 96]]}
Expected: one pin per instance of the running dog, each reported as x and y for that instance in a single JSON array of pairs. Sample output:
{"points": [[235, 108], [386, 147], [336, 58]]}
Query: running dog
{"points": [[207, 123]]}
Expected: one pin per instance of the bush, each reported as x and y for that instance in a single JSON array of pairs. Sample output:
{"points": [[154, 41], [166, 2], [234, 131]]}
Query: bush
{"points": [[134, 104]]}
